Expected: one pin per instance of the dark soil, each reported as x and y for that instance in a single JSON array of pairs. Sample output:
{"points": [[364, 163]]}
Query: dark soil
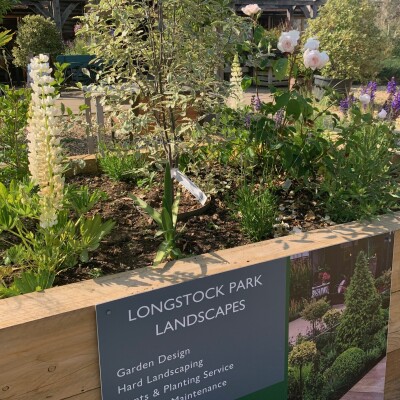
{"points": [[132, 243]]}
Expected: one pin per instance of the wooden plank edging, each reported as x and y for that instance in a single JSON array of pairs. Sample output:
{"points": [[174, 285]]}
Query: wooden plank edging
{"points": [[48, 340]]}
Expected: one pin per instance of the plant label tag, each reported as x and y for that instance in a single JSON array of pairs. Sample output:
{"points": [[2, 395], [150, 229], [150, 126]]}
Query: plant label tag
{"points": [[183, 180]]}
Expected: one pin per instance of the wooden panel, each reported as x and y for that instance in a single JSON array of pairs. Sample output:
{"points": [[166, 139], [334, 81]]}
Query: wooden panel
{"points": [[48, 342], [396, 263], [392, 383]]}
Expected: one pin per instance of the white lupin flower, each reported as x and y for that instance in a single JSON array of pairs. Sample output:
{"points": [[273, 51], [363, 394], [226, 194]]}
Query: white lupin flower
{"points": [[382, 114], [236, 97], [45, 159]]}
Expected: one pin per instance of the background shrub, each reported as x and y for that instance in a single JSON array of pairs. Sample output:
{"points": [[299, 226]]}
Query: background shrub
{"points": [[341, 28], [362, 317], [345, 370], [390, 68], [36, 35]]}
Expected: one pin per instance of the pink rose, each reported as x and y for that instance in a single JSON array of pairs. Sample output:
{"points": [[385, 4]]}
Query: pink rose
{"points": [[251, 9]]}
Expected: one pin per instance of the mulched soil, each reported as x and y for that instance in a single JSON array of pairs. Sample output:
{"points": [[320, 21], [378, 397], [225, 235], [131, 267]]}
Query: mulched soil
{"points": [[132, 244]]}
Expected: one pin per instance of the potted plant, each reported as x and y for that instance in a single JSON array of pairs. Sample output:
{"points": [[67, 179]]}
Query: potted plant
{"points": [[354, 46]]}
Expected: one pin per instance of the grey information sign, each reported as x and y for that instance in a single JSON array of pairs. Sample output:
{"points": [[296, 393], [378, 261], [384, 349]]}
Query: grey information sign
{"points": [[215, 338]]}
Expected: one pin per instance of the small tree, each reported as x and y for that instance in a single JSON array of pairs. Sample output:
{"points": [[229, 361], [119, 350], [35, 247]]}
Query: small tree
{"points": [[301, 355], [347, 32], [313, 312], [362, 317], [36, 35]]}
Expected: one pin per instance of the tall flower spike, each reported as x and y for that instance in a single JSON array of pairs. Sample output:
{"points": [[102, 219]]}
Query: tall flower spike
{"points": [[236, 98], [45, 158]]}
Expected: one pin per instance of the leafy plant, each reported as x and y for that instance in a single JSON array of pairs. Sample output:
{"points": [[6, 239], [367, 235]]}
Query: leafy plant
{"points": [[257, 209], [361, 318], [124, 165], [166, 220], [81, 199], [14, 104], [38, 254], [359, 181], [341, 28], [36, 35]]}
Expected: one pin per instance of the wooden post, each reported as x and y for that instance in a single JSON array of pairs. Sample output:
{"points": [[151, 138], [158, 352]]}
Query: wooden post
{"points": [[99, 120], [55, 4], [392, 382], [88, 115]]}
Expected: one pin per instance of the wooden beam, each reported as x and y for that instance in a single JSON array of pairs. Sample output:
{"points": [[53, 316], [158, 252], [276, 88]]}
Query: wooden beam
{"points": [[306, 11], [67, 12], [48, 342]]}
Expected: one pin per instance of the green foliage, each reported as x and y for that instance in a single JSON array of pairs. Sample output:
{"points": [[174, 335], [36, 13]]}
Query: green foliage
{"points": [[313, 386], [390, 68], [181, 44], [40, 253], [123, 165], [5, 6], [301, 274], [314, 310], [302, 354], [295, 308], [5, 37], [257, 210], [360, 179], [345, 371], [331, 318], [36, 35], [295, 381], [14, 104], [354, 47], [361, 318], [81, 199], [166, 220]]}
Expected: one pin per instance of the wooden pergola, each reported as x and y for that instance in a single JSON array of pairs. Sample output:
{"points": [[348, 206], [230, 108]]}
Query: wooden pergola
{"points": [[58, 10], [283, 9]]}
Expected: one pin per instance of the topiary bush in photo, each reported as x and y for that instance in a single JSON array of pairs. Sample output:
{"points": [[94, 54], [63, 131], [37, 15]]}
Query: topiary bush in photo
{"points": [[345, 370], [313, 312], [362, 317]]}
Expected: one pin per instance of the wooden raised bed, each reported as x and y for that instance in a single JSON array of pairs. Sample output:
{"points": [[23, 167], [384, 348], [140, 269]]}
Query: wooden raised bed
{"points": [[48, 341]]}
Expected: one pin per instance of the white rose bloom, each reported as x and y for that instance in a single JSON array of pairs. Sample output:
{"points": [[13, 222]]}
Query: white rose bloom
{"points": [[311, 44], [288, 41], [382, 114], [295, 35], [312, 59], [365, 99], [324, 58], [251, 9]]}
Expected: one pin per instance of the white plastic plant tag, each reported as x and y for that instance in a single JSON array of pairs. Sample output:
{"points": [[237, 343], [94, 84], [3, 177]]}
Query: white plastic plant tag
{"points": [[183, 180]]}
